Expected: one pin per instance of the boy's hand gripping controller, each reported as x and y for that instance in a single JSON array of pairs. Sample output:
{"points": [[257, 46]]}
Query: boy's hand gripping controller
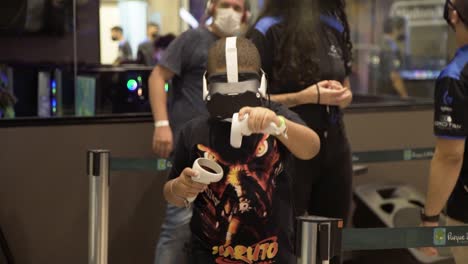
{"points": [[240, 129], [208, 172]]}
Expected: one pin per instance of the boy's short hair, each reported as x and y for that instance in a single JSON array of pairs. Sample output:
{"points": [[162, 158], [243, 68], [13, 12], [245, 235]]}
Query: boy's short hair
{"points": [[248, 58]]}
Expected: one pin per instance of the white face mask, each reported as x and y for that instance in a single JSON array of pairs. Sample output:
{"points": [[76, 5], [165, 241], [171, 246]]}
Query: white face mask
{"points": [[228, 21]]}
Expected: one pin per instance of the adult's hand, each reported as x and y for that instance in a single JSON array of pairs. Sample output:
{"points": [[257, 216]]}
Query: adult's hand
{"points": [[162, 141], [429, 251], [345, 99], [310, 94]]}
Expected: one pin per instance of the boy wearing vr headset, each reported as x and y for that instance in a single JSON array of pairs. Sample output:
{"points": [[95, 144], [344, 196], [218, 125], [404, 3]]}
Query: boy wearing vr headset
{"points": [[184, 63], [247, 216]]}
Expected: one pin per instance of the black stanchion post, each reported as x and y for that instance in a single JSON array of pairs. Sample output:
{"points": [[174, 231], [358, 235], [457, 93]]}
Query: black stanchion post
{"points": [[98, 174], [318, 239]]}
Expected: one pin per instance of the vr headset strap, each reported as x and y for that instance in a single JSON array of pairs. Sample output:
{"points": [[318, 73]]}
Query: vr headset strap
{"points": [[231, 60]]}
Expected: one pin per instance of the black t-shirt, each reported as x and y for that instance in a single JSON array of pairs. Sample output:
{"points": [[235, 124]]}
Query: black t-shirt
{"points": [[251, 206], [329, 55], [451, 121], [187, 56]]}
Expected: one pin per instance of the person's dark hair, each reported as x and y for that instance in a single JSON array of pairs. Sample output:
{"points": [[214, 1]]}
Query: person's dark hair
{"points": [[300, 36], [338, 9], [393, 23], [164, 41], [247, 56], [117, 28]]}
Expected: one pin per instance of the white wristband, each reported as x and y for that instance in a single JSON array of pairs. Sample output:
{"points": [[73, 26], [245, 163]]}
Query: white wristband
{"points": [[162, 123]]}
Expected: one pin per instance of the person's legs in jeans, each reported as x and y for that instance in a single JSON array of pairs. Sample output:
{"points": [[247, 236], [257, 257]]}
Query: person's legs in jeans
{"points": [[174, 237], [459, 253]]}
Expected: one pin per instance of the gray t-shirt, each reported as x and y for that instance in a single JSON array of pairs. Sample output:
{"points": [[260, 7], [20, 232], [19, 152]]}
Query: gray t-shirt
{"points": [[187, 56]]}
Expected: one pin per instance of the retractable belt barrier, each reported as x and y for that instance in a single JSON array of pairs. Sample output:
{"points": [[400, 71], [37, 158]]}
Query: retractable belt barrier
{"points": [[152, 164], [318, 239]]}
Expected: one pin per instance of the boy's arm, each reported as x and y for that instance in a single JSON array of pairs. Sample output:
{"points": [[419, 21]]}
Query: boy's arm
{"points": [[302, 141]]}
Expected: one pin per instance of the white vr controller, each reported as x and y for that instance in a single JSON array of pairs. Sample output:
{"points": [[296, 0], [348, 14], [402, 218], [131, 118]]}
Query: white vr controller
{"points": [[208, 172], [239, 129]]}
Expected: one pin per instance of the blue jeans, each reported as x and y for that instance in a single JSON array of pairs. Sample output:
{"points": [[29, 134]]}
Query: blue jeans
{"points": [[174, 237]]}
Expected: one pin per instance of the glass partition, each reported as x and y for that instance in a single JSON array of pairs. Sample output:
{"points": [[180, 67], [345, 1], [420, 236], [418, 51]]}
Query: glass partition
{"points": [[400, 47], [43, 45]]}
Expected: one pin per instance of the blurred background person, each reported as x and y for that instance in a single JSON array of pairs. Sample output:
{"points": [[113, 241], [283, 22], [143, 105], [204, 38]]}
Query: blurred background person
{"points": [[306, 52], [184, 63], [391, 58], [145, 52], [7, 102], [125, 50]]}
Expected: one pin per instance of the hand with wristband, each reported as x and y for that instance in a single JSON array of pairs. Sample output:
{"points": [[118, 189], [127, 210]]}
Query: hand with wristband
{"points": [[325, 93], [162, 138], [260, 118], [429, 221]]}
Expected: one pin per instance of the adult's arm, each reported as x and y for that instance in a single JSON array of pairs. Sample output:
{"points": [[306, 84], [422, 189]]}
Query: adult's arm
{"points": [[445, 170], [398, 84], [162, 137]]}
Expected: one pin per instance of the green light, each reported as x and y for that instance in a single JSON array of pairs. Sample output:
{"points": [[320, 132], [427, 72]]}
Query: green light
{"points": [[139, 78], [166, 87], [54, 91], [132, 85], [54, 109]]}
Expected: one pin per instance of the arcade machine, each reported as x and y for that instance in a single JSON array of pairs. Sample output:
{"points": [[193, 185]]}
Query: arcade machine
{"points": [[119, 89], [49, 95]]}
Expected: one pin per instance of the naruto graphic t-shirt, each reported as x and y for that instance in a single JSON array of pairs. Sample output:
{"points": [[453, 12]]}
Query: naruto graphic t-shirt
{"points": [[247, 216]]}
